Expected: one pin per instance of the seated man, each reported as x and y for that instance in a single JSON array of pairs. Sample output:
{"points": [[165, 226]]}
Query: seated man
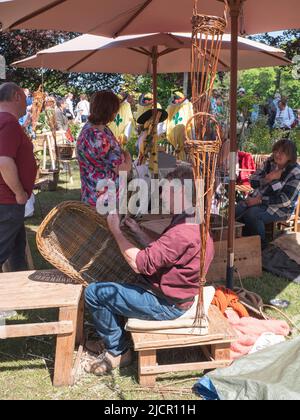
{"points": [[169, 269], [277, 187]]}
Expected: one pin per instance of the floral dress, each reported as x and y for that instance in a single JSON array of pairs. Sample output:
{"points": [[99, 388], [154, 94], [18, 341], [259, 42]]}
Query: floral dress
{"points": [[99, 154]]}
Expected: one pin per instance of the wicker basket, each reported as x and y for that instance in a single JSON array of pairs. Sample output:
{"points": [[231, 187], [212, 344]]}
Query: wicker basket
{"points": [[76, 240]]}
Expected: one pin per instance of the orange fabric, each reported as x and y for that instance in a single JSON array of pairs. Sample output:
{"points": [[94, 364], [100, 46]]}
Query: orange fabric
{"points": [[225, 298]]}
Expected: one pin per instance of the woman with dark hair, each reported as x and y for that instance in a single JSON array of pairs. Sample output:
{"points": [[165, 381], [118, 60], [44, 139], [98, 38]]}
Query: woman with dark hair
{"points": [[99, 154], [276, 191]]}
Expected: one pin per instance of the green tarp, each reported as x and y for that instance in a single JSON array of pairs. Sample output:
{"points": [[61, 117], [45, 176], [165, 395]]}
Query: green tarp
{"points": [[271, 374]]}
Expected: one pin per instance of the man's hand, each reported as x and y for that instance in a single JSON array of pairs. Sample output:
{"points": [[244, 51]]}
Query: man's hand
{"points": [[128, 250], [273, 176], [254, 201], [22, 198], [113, 222], [133, 225]]}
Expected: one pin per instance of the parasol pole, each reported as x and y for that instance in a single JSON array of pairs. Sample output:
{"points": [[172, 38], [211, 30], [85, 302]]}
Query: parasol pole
{"points": [[235, 9], [155, 101], [154, 76]]}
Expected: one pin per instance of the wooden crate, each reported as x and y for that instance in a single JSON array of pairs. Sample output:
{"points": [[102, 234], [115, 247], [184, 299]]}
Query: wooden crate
{"points": [[219, 228], [215, 346], [248, 259]]}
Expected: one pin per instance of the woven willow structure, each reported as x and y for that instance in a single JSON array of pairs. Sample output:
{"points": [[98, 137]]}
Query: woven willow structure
{"points": [[37, 106], [203, 150], [76, 240], [51, 120]]}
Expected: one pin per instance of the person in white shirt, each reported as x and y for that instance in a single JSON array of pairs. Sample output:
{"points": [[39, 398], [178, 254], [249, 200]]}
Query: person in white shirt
{"points": [[70, 106], [277, 99], [83, 109], [285, 117]]}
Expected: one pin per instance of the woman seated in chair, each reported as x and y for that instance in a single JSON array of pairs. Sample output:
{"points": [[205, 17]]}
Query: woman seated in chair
{"points": [[276, 190], [99, 154]]}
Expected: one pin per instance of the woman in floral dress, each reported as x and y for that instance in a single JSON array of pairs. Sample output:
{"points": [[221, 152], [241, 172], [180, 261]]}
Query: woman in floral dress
{"points": [[99, 154]]}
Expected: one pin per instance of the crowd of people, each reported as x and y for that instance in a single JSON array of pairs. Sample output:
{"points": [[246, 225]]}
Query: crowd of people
{"points": [[65, 110]]}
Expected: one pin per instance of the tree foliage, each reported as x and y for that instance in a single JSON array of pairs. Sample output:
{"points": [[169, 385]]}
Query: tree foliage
{"points": [[21, 44], [166, 85], [279, 79]]}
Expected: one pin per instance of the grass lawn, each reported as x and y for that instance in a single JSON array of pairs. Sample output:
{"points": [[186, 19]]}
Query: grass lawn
{"points": [[26, 365]]}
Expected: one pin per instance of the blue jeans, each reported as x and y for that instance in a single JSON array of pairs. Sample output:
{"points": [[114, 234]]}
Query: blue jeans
{"points": [[108, 302], [255, 219]]}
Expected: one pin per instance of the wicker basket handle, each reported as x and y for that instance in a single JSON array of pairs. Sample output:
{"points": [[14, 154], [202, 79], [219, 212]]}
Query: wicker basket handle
{"points": [[226, 8]]}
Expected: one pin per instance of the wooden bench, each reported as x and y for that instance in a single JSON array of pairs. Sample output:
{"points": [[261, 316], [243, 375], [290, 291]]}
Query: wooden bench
{"points": [[45, 290], [215, 346]]}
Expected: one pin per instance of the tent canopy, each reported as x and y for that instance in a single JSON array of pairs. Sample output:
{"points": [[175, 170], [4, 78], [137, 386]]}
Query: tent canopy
{"points": [[127, 17]]}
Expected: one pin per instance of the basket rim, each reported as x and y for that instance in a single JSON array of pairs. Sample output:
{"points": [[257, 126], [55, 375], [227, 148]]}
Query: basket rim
{"points": [[75, 205]]}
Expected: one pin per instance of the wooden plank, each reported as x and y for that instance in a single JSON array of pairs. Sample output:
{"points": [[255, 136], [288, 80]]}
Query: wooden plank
{"points": [[40, 290], [147, 358], [248, 259], [220, 351], [219, 331], [35, 330], [76, 365], [179, 345], [29, 258], [184, 367], [80, 323], [65, 346]]}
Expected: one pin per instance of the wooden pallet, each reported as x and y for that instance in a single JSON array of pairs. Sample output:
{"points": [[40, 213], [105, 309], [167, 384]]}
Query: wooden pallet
{"points": [[215, 346]]}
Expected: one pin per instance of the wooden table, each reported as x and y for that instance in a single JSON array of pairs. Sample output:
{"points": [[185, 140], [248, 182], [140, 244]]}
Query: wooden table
{"points": [[45, 290], [215, 346]]}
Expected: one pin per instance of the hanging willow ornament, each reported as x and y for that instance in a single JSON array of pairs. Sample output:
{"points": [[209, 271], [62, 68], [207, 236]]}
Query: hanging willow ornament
{"points": [[37, 106], [51, 120], [203, 150]]}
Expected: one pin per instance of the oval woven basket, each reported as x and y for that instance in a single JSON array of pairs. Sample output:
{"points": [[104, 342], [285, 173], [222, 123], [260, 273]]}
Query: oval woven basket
{"points": [[76, 240]]}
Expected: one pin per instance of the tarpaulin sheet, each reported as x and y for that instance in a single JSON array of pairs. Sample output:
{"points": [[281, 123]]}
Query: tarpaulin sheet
{"points": [[271, 374]]}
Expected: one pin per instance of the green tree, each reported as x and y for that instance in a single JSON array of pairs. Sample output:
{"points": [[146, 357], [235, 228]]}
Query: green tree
{"points": [[20, 44], [285, 82], [167, 84]]}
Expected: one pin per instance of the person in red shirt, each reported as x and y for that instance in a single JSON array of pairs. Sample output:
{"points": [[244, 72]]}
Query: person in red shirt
{"points": [[169, 270], [17, 176]]}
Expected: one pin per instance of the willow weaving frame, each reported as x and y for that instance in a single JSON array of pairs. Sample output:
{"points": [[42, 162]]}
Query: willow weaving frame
{"points": [[203, 150]]}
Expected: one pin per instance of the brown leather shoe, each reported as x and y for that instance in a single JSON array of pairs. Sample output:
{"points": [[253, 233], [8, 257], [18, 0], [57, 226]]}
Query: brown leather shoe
{"points": [[106, 362]]}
